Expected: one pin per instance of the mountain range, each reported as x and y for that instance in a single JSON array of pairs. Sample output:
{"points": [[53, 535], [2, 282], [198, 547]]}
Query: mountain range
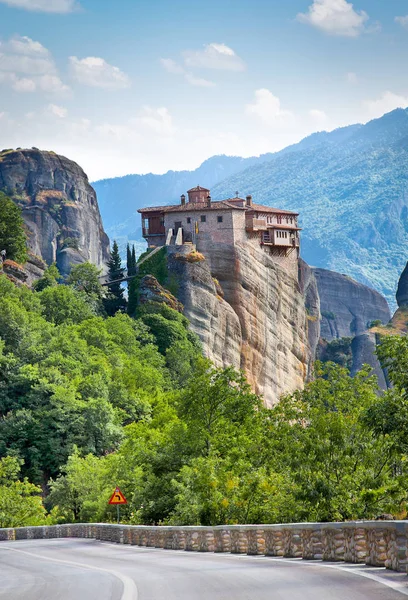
{"points": [[350, 187]]}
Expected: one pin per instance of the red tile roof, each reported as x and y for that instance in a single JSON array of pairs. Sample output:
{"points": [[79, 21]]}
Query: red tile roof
{"points": [[192, 206], [216, 205], [270, 209], [198, 188]]}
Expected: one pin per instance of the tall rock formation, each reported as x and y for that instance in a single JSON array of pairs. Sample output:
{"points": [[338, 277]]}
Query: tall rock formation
{"points": [[310, 292], [59, 207], [400, 318], [248, 312], [347, 310], [347, 307]]}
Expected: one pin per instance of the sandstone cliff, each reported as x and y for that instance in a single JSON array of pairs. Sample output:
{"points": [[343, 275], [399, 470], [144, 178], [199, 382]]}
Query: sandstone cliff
{"points": [[248, 312], [347, 307], [399, 321], [59, 207], [363, 348], [310, 292]]}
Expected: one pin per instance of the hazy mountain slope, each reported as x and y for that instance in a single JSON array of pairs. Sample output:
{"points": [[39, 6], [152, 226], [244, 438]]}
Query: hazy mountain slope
{"points": [[352, 194]]}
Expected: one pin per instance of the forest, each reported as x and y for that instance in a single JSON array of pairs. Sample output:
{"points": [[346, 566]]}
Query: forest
{"points": [[97, 392]]}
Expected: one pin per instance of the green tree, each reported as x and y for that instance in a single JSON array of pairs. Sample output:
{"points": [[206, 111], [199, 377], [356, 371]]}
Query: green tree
{"points": [[389, 415], [82, 491], [115, 300], [63, 304], [134, 261], [12, 233], [50, 278], [128, 258], [85, 278], [341, 469], [20, 501]]}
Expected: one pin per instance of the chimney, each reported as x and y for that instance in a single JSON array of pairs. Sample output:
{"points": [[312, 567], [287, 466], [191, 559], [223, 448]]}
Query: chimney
{"points": [[249, 200], [183, 200], [208, 201]]}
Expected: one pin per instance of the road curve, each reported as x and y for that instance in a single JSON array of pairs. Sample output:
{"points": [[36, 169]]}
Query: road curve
{"points": [[72, 569]]}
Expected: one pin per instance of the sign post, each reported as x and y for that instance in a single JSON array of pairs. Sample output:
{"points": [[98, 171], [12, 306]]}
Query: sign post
{"points": [[117, 499]]}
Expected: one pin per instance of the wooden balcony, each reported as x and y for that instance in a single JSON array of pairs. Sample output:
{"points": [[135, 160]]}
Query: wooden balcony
{"points": [[252, 224], [269, 239], [146, 232]]}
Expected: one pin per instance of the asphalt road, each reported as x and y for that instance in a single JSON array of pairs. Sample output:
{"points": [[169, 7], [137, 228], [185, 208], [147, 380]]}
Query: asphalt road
{"points": [[89, 570]]}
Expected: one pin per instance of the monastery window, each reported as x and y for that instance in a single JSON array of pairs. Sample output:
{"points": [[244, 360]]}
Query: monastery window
{"points": [[188, 220], [145, 223], [279, 219], [219, 219], [162, 221], [203, 218]]}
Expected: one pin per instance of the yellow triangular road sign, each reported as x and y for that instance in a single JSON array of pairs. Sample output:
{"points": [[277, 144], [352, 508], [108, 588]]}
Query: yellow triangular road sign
{"points": [[117, 497]]}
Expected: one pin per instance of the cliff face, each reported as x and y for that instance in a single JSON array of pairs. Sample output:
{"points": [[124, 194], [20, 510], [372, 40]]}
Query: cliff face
{"points": [[347, 310], [400, 318], [347, 307], [248, 312], [310, 292], [59, 207]]}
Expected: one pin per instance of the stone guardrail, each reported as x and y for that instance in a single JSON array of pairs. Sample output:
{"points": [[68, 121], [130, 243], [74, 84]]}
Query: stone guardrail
{"points": [[378, 543]]}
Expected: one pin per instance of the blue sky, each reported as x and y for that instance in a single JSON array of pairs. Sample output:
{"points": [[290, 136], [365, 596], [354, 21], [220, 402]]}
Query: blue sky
{"points": [[136, 86]]}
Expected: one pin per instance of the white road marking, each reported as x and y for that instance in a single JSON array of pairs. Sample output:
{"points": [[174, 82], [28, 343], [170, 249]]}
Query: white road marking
{"points": [[130, 590], [129, 586], [395, 585]]}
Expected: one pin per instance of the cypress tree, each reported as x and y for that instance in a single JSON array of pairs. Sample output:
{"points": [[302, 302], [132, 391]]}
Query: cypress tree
{"points": [[115, 300], [134, 262], [128, 259]]}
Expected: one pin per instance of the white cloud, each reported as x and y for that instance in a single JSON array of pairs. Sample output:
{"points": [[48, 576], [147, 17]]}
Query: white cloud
{"points": [[22, 56], [153, 140], [267, 108], [199, 81], [352, 78], [58, 111], [171, 66], [174, 68], [335, 17], [96, 72], [52, 84], [402, 21], [318, 116], [26, 46], [25, 64], [158, 120], [47, 6], [24, 85], [214, 56], [386, 103]]}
